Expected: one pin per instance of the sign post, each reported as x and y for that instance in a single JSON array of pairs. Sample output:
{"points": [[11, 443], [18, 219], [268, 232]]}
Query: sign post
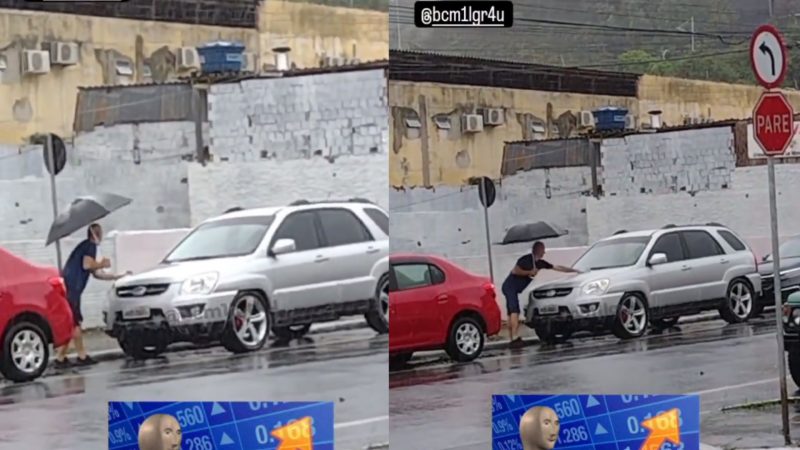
{"points": [[52, 168], [773, 128], [487, 194]]}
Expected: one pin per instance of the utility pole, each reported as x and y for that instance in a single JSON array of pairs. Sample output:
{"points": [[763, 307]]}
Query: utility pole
{"points": [[692, 21], [397, 24], [771, 10]]}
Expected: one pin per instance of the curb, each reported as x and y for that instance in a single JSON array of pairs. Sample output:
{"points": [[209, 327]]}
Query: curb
{"points": [[529, 341], [116, 353]]}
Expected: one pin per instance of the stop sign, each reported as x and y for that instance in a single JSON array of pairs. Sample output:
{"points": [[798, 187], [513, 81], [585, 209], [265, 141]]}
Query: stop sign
{"points": [[773, 123]]}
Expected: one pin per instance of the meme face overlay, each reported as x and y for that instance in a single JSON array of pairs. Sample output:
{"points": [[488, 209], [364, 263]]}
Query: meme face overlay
{"points": [[538, 428], [160, 432]]}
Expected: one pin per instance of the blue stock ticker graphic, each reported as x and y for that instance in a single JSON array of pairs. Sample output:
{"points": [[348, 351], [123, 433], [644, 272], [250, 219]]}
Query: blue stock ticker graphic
{"points": [[227, 425], [604, 422]]}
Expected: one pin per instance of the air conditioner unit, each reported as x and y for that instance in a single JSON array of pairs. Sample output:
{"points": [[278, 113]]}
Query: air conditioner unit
{"points": [[188, 58], [35, 61], [472, 123], [585, 119], [630, 122], [64, 53], [249, 62], [494, 116]]}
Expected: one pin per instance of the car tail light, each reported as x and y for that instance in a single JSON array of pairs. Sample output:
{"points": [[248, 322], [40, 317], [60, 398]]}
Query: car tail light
{"points": [[58, 285], [490, 291]]}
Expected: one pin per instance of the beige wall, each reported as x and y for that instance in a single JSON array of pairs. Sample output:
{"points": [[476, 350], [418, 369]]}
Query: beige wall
{"points": [[455, 157], [41, 103], [677, 98], [315, 31]]}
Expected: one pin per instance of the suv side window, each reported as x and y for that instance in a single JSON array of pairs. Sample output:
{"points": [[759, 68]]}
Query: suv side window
{"points": [[670, 245], [701, 244], [302, 227], [732, 240], [411, 276], [342, 227], [379, 217]]}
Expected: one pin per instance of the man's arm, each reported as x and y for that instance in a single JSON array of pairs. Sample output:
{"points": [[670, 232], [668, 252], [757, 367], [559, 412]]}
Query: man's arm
{"points": [[519, 271], [89, 263], [565, 269]]}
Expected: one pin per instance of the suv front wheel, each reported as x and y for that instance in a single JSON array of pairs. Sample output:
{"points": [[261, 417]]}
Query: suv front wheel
{"points": [[248, 323], [738, 304], [378, 316], [631, 318]]}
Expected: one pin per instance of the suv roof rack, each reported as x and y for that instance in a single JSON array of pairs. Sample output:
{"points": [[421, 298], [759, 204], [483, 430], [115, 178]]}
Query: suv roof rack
{"points": [[619, 232], [352, 200], [234, 209], [715, 224], [666, 227]]}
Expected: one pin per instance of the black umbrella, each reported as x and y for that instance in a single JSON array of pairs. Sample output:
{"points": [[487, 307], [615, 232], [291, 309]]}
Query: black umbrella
{"points": [[83, 212], [530, 232]]}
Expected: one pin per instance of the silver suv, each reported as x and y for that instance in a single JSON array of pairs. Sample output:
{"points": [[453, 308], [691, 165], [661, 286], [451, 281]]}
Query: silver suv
{"points": [[237, 277], [652, 277]]}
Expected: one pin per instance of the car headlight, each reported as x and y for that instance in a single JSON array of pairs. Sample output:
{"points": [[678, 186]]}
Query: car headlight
{"points": [[597, 287], [200, 284]]}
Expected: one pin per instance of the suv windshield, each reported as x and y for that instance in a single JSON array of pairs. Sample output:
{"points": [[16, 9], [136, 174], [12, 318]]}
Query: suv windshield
{"points": [[222, 238], [620, 252]]}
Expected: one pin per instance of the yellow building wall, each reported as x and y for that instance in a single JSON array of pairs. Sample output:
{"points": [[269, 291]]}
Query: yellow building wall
{"points": [[46, 103], [677, 98], [454, 157], [315, 31]]}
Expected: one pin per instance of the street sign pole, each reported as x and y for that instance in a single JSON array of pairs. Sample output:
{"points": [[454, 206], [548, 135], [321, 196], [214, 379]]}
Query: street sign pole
{"points": [[484, 195], [773, 129], [776, 257], [51, 161]]}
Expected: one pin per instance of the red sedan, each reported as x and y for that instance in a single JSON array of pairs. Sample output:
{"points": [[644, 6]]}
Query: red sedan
{"points": [[33, 314], [435, 304]]}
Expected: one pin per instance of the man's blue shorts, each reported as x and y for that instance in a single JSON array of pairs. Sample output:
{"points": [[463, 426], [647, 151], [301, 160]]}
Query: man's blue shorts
{"points": [[512, 299]]}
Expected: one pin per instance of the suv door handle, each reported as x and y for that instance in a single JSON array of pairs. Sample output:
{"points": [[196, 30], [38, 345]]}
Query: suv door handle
{"points": [[320, 258], [723, 261], [685, 268], [373, 250]]}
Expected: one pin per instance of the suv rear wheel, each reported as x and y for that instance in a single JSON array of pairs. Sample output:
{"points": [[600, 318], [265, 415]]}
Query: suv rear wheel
{"points": [[378, 316], [738, 304], [248, 324], [631, 318], [25, 352]]}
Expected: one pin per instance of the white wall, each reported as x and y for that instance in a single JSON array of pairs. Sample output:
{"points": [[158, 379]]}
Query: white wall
{"points": [[287, 118], [217, 187]]}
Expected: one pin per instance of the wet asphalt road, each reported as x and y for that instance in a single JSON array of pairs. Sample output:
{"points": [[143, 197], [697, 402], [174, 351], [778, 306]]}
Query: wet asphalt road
{"points": [[68, 410], [442, 406]]}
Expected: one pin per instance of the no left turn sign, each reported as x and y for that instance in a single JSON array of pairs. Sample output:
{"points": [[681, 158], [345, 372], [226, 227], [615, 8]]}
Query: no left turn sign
{"points": [[768, 56]]}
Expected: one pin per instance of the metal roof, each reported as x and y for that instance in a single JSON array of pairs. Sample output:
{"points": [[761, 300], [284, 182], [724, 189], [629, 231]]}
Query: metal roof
{"points": [[467, 70], [235, 77]]}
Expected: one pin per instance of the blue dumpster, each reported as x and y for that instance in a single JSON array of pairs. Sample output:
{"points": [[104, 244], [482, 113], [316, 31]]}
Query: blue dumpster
{"points": [[609, 118], [221, 56]]}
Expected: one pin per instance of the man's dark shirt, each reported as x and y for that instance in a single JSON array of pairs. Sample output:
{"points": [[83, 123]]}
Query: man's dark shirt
{"points": [[75, 276], [519, 282]]}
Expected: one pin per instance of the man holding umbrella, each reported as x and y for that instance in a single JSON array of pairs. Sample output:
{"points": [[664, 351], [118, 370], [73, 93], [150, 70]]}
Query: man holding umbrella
{"points": [[81, 263], [518, 280]]}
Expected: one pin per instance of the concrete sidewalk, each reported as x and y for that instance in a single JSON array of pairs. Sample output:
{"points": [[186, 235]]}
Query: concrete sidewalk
{"points": [[104, 348]]}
